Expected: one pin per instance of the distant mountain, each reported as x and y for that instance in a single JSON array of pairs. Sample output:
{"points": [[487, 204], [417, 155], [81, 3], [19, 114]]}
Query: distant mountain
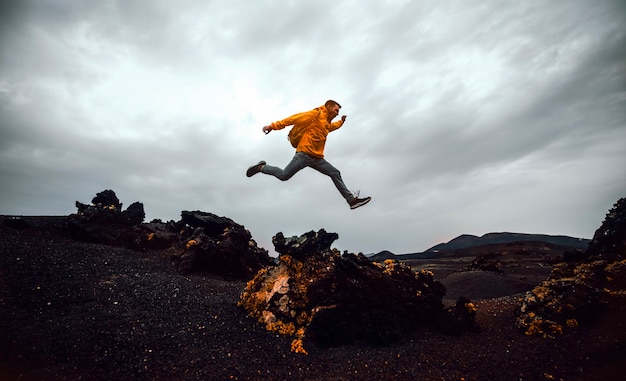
{"points": [[467, 240], [386, 254], [383, 255]]}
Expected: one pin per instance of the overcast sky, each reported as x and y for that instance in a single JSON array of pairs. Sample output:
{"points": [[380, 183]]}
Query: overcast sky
{"points": [[464, 117]]}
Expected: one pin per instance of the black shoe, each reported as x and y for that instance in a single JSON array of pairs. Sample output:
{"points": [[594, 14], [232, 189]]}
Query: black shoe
{"points": [[357, 202], [255, 168]]}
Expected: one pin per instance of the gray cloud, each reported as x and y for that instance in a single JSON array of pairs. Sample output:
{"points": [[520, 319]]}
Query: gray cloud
{"points": [[462, 118]]}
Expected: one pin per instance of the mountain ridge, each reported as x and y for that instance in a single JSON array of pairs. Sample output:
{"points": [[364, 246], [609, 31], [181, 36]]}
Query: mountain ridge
{"points": [[465, 241]]}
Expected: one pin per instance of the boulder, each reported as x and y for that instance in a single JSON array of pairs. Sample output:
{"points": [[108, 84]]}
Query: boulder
{"points": [[134, 214], [316, 294], [104, 221], [107, 199], [158, 235], [487, 262], [584, 287], [217, 245], [609, 241]]}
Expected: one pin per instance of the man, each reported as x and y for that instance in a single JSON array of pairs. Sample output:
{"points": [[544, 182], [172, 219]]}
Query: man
{"points": [[308, 136]]}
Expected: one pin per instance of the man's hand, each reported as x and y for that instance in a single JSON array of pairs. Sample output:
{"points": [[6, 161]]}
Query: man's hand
{"points": [[343, 118], [267, 130]]}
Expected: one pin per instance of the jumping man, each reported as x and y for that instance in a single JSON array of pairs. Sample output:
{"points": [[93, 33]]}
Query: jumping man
{"points": [[308, 136]]}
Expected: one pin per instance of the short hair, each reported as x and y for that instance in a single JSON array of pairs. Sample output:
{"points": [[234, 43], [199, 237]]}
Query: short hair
{"points": [[331, 102]]}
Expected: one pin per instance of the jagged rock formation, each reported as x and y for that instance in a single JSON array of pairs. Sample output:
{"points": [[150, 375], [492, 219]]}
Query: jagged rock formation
{"points": [[104, 221], [577, 292], [218, 245], [316, 294], [200, 241]]}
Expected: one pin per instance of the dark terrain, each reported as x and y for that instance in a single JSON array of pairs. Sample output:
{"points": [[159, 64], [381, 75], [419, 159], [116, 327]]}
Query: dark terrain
{"points": [[101, 295], [74, 310], [506, 268]]}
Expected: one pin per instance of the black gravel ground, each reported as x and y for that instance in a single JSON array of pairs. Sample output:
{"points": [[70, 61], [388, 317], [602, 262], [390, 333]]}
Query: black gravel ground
{"points": [[78, 311]]}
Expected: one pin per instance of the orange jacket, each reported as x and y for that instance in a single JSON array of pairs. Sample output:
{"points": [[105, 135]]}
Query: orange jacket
{"points": [[316, 128]]}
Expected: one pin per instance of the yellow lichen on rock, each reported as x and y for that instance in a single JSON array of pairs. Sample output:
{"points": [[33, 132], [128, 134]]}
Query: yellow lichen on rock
{"points": [[298, 347], [281, 327], [471, 307]]}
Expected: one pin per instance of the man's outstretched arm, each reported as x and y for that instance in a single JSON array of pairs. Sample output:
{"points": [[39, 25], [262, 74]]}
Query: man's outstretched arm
{"points": [[303, 117]]}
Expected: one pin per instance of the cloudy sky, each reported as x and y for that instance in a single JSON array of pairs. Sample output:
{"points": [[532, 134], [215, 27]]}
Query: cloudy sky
{"points": [[464, 117]]}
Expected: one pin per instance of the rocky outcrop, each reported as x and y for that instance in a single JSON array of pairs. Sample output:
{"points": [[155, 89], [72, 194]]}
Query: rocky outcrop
{"points": [[577, 292], [487, 262], [105, 222], [217, 245], [609, 241], [200, 242], [317, 295]]}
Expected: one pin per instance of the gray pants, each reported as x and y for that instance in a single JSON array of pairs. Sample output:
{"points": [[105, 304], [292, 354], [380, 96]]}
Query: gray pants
{"points": [[302, 160]]}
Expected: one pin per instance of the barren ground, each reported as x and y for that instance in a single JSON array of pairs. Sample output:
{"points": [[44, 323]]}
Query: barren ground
{"points": [[72, 311]]}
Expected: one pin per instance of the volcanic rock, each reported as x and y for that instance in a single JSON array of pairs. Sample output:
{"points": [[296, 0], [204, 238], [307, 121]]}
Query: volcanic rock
{"points": [[104, 221], [609, 241], [218, 245], [316, 294], [487, 262], [106, 198], [200, 241], [578, 292]]}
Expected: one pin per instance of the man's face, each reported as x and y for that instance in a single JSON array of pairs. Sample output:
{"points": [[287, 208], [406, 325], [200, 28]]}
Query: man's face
{"points": [[333, 111]]}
